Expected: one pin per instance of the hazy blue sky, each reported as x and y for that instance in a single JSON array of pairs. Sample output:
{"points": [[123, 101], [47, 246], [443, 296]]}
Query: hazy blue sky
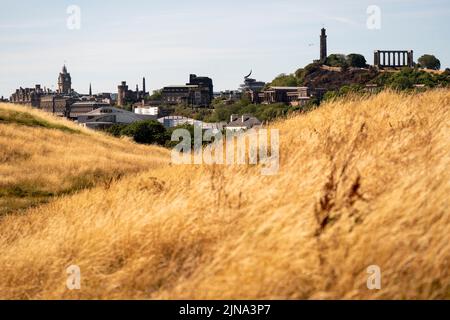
{"points": [[167, 40]]}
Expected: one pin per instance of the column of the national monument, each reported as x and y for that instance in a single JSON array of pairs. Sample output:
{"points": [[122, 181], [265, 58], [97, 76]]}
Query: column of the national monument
{"points": [[377, 57], [411, 59]]}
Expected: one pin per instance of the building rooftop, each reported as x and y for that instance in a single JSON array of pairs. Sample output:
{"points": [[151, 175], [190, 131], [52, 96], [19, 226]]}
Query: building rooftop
{"points": [[287, 88], [182, 86], [246, 120], [90, 104], [108, 110]]}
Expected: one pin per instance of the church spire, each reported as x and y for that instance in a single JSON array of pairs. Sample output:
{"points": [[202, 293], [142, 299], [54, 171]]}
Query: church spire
{"points": [[90, 89]]}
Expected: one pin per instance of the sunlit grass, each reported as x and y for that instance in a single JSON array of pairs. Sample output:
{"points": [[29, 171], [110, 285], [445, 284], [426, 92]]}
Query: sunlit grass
{"points": [[361, 183]]}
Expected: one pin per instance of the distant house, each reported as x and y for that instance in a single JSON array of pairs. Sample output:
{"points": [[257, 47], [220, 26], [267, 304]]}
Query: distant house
{"points": [[244, 122], [278, 94], [105, 117], [175, 121], [295, 96]]}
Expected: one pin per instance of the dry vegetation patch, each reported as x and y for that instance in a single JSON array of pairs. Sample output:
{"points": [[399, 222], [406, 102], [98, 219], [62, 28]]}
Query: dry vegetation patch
{"points": [[44, 157], [361, 182]]}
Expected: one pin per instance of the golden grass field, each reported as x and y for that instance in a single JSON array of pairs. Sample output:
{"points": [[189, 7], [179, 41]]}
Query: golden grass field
{"points": [[37, 164], [362, 182]]}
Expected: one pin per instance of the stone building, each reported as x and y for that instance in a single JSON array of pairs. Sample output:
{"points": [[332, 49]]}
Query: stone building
{"points": [[188, 95], [65, 102], [197, 93], [28, 96], [43, 98], [277, 94], [64, 82], [295, 96], [203, 82], [126, 96], [56, 104], [394, 58]]}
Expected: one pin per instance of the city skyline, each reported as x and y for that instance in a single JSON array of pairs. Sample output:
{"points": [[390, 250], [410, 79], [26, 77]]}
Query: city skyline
{"points": [[222, 40]]}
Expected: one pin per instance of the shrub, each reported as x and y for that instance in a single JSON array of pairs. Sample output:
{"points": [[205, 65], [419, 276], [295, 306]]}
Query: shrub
{"points": [[337, 60], [147, 132], [430, 62], [356, 60]]}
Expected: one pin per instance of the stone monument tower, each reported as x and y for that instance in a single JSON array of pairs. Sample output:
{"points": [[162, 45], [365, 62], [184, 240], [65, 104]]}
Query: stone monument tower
{"points": [[323, 45]]}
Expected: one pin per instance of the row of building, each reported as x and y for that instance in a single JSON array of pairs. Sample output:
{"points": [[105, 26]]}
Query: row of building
{"points": [[64, 102], [99, 111], [103, 110], [198, 92], [104, 117]]}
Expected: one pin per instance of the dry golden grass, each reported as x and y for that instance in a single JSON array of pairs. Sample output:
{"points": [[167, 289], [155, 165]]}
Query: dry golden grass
{"points": [[37, 163], [360, 183]]}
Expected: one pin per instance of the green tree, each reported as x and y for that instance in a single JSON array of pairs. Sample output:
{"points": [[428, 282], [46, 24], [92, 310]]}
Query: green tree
{"points": [[284, 80], [337, 60], [356, 60], [116, 129], [429, 61], [147, 132], [156, 96], [401, 82]]}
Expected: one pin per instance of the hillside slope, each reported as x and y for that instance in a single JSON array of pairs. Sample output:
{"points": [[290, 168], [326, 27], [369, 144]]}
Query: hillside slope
{"points": [[325, 77], [42, 157], [361, 183]]}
